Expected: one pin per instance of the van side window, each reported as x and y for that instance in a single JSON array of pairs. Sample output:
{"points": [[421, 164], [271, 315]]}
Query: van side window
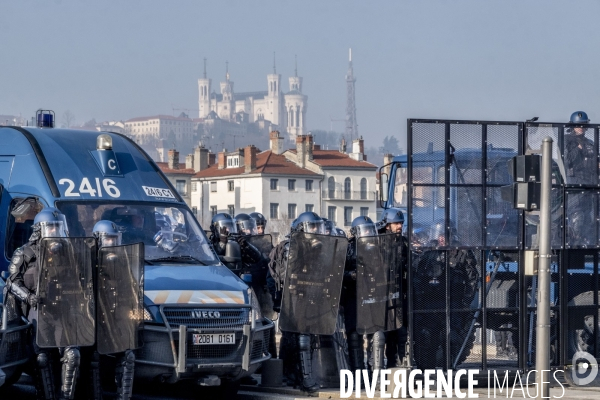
{"points": [[20, 222]]}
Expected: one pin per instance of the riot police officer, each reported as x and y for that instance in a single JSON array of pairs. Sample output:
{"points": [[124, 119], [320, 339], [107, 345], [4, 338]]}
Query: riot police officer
{"points": [[361, 226], [430, 294], [582, 168], [22, 283], [297, 370], [261, 222], [392, 221], [107, 234], [221, 226]]}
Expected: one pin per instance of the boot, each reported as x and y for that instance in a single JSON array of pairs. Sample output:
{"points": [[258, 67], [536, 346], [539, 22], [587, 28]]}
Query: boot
{"points": [[309, 384], [70, 371], [43, 378], [124, 375]]}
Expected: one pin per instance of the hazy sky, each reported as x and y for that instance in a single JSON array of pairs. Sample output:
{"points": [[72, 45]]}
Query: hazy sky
{"points": [[469, 59]]}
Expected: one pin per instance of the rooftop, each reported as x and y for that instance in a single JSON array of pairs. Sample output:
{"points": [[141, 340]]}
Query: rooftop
{"points": [[267, 162], [164, 167], [333, 158]]}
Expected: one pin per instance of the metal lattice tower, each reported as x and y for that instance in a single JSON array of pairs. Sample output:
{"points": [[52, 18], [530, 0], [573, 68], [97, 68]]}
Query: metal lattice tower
{"points": [[351, 126]]}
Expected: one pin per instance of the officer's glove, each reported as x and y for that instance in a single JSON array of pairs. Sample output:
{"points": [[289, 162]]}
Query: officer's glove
{"points": [[33, 300], [223, 235]]}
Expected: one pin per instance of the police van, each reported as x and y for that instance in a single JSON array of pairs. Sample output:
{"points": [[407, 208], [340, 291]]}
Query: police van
{"points": [[201, 322]]}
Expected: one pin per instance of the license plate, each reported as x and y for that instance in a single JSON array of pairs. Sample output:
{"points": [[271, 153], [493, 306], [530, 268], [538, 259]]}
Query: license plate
{"points": [[213, 338]]}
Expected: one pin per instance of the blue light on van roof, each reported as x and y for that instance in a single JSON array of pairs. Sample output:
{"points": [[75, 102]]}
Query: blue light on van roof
{"points": [[45, 118]]}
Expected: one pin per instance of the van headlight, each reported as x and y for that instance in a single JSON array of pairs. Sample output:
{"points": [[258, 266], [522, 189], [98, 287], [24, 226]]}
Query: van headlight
{"points": [[255, 305]]}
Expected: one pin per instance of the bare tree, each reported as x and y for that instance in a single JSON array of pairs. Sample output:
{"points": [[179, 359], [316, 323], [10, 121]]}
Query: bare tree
{"points": [[278, 228], [68, 118]]}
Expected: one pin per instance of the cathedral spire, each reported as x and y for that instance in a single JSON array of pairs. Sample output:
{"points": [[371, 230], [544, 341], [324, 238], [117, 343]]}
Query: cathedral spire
{"points": [[274, 68], [204, 67], [296, 65], [227, 71]]}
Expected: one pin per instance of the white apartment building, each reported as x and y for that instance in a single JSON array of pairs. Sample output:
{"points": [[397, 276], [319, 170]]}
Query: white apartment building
{"points": [[281, 184], [144, 129]]}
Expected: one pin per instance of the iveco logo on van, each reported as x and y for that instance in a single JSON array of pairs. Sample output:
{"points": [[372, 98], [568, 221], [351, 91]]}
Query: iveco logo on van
{"points": [[205, 314]]}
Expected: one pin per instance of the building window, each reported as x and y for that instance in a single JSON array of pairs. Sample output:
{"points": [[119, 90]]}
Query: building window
{"points": [[331, 211], [364, 211], [213, 211], [274, 210], [363, 189], [180, 186], [331, 187], [291, 185], [230, 186], [274, 184], [213, 187], [231, 209], [310, 208], [291, 211], [195, 210], [309, 185], [347, 216], [194, 186], [347, 188]]}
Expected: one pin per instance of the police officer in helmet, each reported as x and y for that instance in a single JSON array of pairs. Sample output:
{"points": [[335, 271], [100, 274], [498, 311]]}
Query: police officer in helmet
{"points": [[392, 221], [221, 226], [24, 269], [107, 234], [581, 168], [295, 349], [261, 222], [430, 293], [361, 227]]}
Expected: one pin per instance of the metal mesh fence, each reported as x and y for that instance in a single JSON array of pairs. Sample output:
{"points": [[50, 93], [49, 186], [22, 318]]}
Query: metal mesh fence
{"points": [[456, 171]]}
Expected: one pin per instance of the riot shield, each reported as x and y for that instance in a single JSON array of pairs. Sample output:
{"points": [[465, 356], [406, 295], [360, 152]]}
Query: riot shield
{"points": [[66, 314], [378, 283], [264, 243], [313, 283], [120, 294]]}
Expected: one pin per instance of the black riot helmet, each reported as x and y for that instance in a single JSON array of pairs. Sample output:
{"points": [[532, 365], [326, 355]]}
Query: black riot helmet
{"points": [[363, 226], [245, 224], [261, 222], [222, 220], [308, 222], [579, 117], [392, 216]]}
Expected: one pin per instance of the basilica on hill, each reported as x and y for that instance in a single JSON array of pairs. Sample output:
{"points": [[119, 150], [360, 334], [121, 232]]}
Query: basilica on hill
{"points": [[271, 108]]}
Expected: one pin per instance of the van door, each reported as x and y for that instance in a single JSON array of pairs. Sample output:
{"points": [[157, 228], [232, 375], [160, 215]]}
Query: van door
{"points": [[6, 166]]}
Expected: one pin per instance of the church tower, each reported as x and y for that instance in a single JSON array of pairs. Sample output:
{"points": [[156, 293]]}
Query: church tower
{"points": [[204, 87], [295, 106], [274, 97], [227, 106]]}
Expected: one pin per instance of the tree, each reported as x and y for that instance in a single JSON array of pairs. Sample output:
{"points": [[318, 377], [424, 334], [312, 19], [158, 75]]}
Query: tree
{"points": [[67, 119], [390, 145]]}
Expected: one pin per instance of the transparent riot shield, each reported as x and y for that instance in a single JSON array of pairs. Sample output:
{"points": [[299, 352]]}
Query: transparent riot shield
{"points": [[264, 243], [66, 314], [120, 297], [379, 283], [313, 283]]}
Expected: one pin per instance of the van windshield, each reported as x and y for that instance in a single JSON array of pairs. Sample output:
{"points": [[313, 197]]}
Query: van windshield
{"points": [[181, 235]]}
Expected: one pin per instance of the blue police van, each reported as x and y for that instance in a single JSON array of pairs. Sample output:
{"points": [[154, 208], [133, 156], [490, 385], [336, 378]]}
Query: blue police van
{"points": [[201, 322]]}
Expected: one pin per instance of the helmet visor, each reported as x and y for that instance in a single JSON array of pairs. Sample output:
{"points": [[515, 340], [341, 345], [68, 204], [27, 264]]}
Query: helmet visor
{"points": [[228, 225], [365, 230], [314, 227], [437, 233], [330, 228], [109, 239], [247, 227], [50, 229]]}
